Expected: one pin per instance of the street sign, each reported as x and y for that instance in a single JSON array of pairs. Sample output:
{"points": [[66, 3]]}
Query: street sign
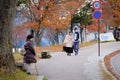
{"points": [[97, 15], [97, 5]]}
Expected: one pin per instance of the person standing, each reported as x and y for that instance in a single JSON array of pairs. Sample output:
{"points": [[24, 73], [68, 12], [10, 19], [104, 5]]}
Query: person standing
{"points": [[76, 41], [68, 48], [29, 56]]}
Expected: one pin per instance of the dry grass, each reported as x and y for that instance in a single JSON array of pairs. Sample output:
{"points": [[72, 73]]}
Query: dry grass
{"points": [[18, 57], [58, 48], [18, 74], [106, 75], [55, 48]]}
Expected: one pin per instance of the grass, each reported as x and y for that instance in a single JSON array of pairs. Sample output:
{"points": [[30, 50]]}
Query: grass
{"points": [[17, 75], [108, 41], [18, 57], [58, 48], [45, 78]]}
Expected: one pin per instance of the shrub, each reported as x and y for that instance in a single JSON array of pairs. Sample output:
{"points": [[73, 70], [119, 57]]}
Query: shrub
{"points": [[45, 54]]}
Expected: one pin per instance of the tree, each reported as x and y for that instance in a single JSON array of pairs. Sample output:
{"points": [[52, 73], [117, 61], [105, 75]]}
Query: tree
{"points": [[111, 12], [7, 13], [19, 35], [51, 13], [84, 18], [72, 7], [57, 14], [94, 27], [39, 12]]}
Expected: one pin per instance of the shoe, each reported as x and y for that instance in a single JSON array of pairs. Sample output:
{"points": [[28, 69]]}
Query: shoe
{"points": [[68, 54], [76, 54], [28, 73]]}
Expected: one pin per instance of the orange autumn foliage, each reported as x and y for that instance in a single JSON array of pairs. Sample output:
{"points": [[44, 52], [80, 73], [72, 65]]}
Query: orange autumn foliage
{"points": [[28, 25], [19, 33], [61, 15], [94, 27], [111, 12], [51, 13]]}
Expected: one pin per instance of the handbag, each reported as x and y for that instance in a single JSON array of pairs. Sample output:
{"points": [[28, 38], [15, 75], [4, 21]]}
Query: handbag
{"points": [[64, 48]]}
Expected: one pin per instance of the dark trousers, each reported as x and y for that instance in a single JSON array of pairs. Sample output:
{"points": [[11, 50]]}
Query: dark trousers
{"points": [[76, 47]]}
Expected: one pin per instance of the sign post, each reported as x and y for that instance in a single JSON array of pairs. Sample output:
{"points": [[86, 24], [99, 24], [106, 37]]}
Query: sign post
{"points": [[98, 37], [97, 15]]}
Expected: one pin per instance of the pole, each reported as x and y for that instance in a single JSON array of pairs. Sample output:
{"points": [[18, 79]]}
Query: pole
{"points": [[98, 37], [36, 68]]}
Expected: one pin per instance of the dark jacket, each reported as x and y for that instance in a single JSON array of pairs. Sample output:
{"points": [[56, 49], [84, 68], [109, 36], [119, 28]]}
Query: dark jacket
{"points": [[29, 56], [76, 38]]}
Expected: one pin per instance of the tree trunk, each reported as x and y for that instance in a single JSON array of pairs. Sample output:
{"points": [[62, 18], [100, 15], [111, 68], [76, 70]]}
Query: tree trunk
{"points": [[63, 35], [16, 43], [37, 39], [81, 31], [57, 36], [71, 28], [95, 36], [85, 34], [38, 36], [32, 32], [7, 13]]}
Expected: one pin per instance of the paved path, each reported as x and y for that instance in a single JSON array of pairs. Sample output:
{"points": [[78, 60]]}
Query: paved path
{"points": [[85, 66]]}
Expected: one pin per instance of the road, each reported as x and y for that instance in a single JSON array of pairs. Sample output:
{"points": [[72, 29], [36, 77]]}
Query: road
{"points": [[85, 66]]}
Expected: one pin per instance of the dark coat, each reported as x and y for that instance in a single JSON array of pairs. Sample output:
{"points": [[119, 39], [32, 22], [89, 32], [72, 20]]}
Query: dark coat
{"points": [[29, 56]]}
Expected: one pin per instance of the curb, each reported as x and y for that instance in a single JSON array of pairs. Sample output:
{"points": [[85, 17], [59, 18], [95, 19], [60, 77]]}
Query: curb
{"points": [[108, 63]]}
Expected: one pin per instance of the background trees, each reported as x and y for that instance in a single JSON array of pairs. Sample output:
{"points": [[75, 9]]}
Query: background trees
{"points": [[84, 18], [111, 12], [54, 14], [42, 14], [18, 37]]}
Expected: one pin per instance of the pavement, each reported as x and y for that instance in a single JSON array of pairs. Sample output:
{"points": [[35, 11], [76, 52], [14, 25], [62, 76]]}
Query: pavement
{"points": [[85, 66]]}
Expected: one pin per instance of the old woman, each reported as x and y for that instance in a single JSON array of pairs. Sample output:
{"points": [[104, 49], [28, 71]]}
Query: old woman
{"points": [[29, 56], [68, 43]]}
